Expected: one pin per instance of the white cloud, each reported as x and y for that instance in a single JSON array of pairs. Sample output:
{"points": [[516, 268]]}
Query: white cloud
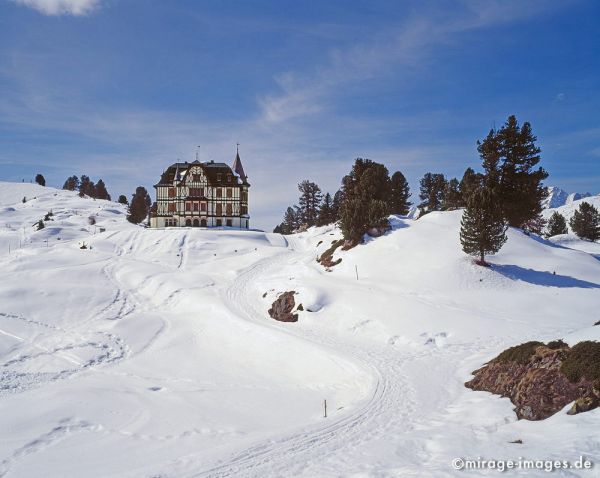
{"points": [[61, 7]]}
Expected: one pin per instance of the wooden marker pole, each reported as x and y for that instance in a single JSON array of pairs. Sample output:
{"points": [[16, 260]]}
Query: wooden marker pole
{"points": [[325, 407]]}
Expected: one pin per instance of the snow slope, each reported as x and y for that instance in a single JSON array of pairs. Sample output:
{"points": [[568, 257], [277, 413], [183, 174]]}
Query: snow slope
{"points": [[151, 354]]}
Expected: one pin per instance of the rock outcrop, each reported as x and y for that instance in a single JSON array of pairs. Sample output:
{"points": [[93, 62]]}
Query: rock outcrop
{"points": [[283, 306], [542, 379]]}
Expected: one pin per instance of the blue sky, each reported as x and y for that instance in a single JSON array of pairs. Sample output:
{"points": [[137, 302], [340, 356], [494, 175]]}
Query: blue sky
{"points": [[119, 89]]}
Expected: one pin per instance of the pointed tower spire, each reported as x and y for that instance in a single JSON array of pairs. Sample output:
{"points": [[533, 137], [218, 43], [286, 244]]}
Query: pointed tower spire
{"points": [[237, 165]]}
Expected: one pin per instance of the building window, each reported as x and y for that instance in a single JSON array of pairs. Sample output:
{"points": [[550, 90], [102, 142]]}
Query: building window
{"points": [[195, 206], [219, 193], [171, 207], [229, 210], [219, 222], [172, 192], [228, 222], [196, 178], [218, 176], [203, 206], [229, 192], [229, 178], [188, 206], [219, 210], [244, 196], [243, 209], [196, 192], [188, 222]]}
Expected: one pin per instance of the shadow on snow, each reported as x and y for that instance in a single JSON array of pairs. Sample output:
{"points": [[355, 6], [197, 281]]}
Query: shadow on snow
{"points": [[544, 278]]}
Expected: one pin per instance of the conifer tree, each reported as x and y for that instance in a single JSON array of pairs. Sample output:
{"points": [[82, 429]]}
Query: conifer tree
{"points": [[338, 199], [140, 205], [353, 220], [556, 225], [310, 202], [123, 199], [86, 186], [468, 184], [400, 192], [367, 191], [40, 225], [432, 192], [510, 157], [100, 191], [534, 225], [482, 228], [585, 222], [40, 179], [290, 221], [452, 198], [71, 184], [326, 215]]}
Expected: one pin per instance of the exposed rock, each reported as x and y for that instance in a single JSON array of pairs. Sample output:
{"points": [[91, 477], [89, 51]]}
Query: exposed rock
{"points": [[282, 308], [378, 231], [326, 259], [531, 376]]}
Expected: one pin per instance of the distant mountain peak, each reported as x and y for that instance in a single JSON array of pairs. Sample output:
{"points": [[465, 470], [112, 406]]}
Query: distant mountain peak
{"points": [[558, 197]]}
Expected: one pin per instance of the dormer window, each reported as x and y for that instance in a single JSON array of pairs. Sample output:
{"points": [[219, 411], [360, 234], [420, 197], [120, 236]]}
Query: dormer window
{"points": [[229, 178], [218, 176]]}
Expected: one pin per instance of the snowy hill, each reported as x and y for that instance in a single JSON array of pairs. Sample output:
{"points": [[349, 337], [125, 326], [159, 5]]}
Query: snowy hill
{"points": [[152, 353]]}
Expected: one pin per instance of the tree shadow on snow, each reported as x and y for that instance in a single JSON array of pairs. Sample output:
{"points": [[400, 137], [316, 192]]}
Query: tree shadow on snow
{"points": [[544, 278]]}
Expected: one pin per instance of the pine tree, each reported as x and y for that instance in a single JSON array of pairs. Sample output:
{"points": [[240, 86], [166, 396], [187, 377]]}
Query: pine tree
{"points": [[366, 193], [534, 225], [278, 229], [509, 157], [400, 192], [86, 186], [40, 225], [40, 179], [310, 202], [452, 197], [326, 215], [585, 222], [123, 199], [468, 184], [482, 228], [100, 191], [140, 205], [432, 192], [338, 199], [353, 220], [290, 221], [556, 225], [71, 184]]}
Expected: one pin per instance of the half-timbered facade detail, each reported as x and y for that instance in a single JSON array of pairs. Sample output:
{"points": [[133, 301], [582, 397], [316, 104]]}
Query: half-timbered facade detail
{"points": [[202, 195]]}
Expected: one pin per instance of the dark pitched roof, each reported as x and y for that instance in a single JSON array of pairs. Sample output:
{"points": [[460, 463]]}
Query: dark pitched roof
{"points": [[216, 173]]}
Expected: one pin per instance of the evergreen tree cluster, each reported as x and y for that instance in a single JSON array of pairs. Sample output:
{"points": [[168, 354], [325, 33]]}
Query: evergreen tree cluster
{"points": [[313, 209], [509, 192], [39, 178], [86, 187], [367, 196]]}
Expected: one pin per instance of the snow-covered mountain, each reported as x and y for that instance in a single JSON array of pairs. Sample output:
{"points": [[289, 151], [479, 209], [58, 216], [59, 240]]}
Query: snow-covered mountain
{"points": [[151, 352], [559, 197], [571, 204]]}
